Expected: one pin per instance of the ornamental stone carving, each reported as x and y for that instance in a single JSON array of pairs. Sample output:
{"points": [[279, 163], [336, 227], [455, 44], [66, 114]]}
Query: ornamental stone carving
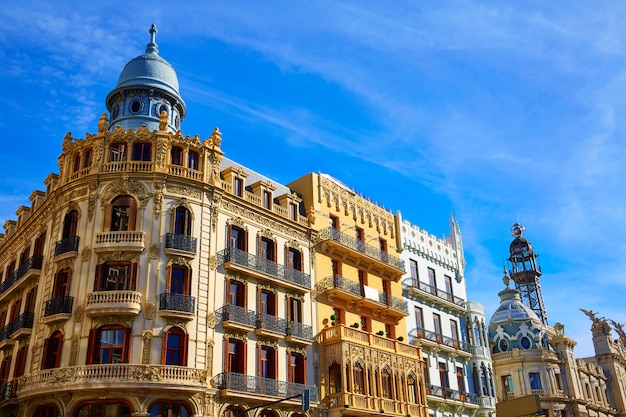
{"points": [[79, 313], [147, 347], [74, 349], [149, 310], [213, 262], [184, 191], [211, 320], [112, 320], [126, 186], [153, 251]]}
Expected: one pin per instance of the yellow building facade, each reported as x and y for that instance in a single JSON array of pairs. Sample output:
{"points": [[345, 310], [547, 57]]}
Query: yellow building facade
{"points": [[365, 366]]}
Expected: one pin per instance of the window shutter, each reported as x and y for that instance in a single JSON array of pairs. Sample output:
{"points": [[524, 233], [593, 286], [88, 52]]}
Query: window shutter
{"points": [[259, 246], [275, 252], [168, 278], [301, 266], [126, 354], [93, 347], [133, 276], [96, 284], [164, 348], [184, 340], [46, 348], [132, 217], [107, 217], [245, 240]]}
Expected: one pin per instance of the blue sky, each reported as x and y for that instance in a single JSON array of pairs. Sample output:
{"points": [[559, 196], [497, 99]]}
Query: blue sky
{"points": [[497, 112]]}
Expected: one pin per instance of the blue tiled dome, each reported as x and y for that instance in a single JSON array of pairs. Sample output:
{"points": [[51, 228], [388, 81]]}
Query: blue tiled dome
{"points": [[151, 70], [512, 309]]}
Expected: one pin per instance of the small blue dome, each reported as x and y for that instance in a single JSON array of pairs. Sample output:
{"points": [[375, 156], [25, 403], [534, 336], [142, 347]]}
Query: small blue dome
{"points": [[512, 309], [147, 86]]}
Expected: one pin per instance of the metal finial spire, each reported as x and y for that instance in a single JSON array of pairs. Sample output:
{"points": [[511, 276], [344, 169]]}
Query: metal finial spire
{"points": [[152, 47]]}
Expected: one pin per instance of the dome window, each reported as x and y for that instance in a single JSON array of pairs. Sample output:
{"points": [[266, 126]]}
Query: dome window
{"points": [[525, 342], [163, 108], [503, 345], [135, 106]]}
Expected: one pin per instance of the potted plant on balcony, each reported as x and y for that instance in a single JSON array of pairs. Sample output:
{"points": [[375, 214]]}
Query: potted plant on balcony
{"points": [[400, 338], [355, 325], [380, 333], [332, 320]]}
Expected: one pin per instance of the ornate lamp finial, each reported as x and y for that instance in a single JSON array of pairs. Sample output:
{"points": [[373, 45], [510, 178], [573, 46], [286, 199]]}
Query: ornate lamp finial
{"points": [[152, 47]]}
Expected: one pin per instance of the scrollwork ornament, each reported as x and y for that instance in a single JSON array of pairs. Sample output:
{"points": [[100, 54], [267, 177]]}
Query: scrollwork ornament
{"points": [[85, 254], [74, 350], [79, 313]]}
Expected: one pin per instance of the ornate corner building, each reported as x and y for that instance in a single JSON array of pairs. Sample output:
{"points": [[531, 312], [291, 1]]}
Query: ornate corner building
{"points": [[154, 276], [450, 330], [532, 358]]}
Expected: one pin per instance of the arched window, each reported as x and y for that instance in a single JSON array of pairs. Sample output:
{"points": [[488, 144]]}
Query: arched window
{"points": [[168, 409], [176, 156], [108, 344], [267, 413], [70, 223], [334, 376], [47, 410], [182, 221], [232, 412], [175, 347], [359, 379], [413, 392], [121, 214], [88, 159], [52, 351], [386, 383], [108, 408]]}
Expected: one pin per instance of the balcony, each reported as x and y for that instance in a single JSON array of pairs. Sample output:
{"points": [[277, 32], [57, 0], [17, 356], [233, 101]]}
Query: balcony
{"points": [[180, 245], [66, 248], [242, 261], [337, 244], [232, 384], [451, 394], [341, 333], [102, 303], [420, 290], [430, 339], [117, 376], [119, 241], [355, 404], [22, 326], [180, 306], [236, 318], [29, 269], [5, 340], [8, 391], [270, 326], [336, 286], [58, 309], [128, 166], [299, 333]]}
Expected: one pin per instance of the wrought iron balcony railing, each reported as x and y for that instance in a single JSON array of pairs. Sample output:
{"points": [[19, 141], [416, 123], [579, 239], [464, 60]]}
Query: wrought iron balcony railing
{"points": [[358, 290], [443, 340], [272, 323], [451, 394], [34, 262], [266, 266], [299, 330], [236, 314], [265, 386], [331, 233], [4, 332], [23, 321], [69, 244], [177, 302], [8, 390], [59, 305], [444, 295], [181, 242]]}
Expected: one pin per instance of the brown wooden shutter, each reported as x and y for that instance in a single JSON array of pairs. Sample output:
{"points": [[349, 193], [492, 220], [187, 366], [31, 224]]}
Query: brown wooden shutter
{"points": [[184, 340], [107, 218], [92, 347], [126, 355], [133, 276], [96, 283]]}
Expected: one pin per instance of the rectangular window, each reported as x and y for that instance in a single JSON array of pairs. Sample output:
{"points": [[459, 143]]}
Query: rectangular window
{"points": [[297, 368], [336, 267], [267, 303], [293, 211], [390, 331], [432, 281], [454, 332], [338, 314], [193, 160], [419, 322], [267, 249], [179, 280], [448, 282], [176, 156], [237, 238], [238, 186], [383, 245], [414, 274], [365, 324], [88, 158], [116, 277], [437, 324], [333, 221], [507, 383], [236, 291], [295, 310], [235, 357], [267, 200], [118, 152], [294, 259], [142, 152], [111, 345], [460, 379], [535, 380], [267, 362], [443, 375]]}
